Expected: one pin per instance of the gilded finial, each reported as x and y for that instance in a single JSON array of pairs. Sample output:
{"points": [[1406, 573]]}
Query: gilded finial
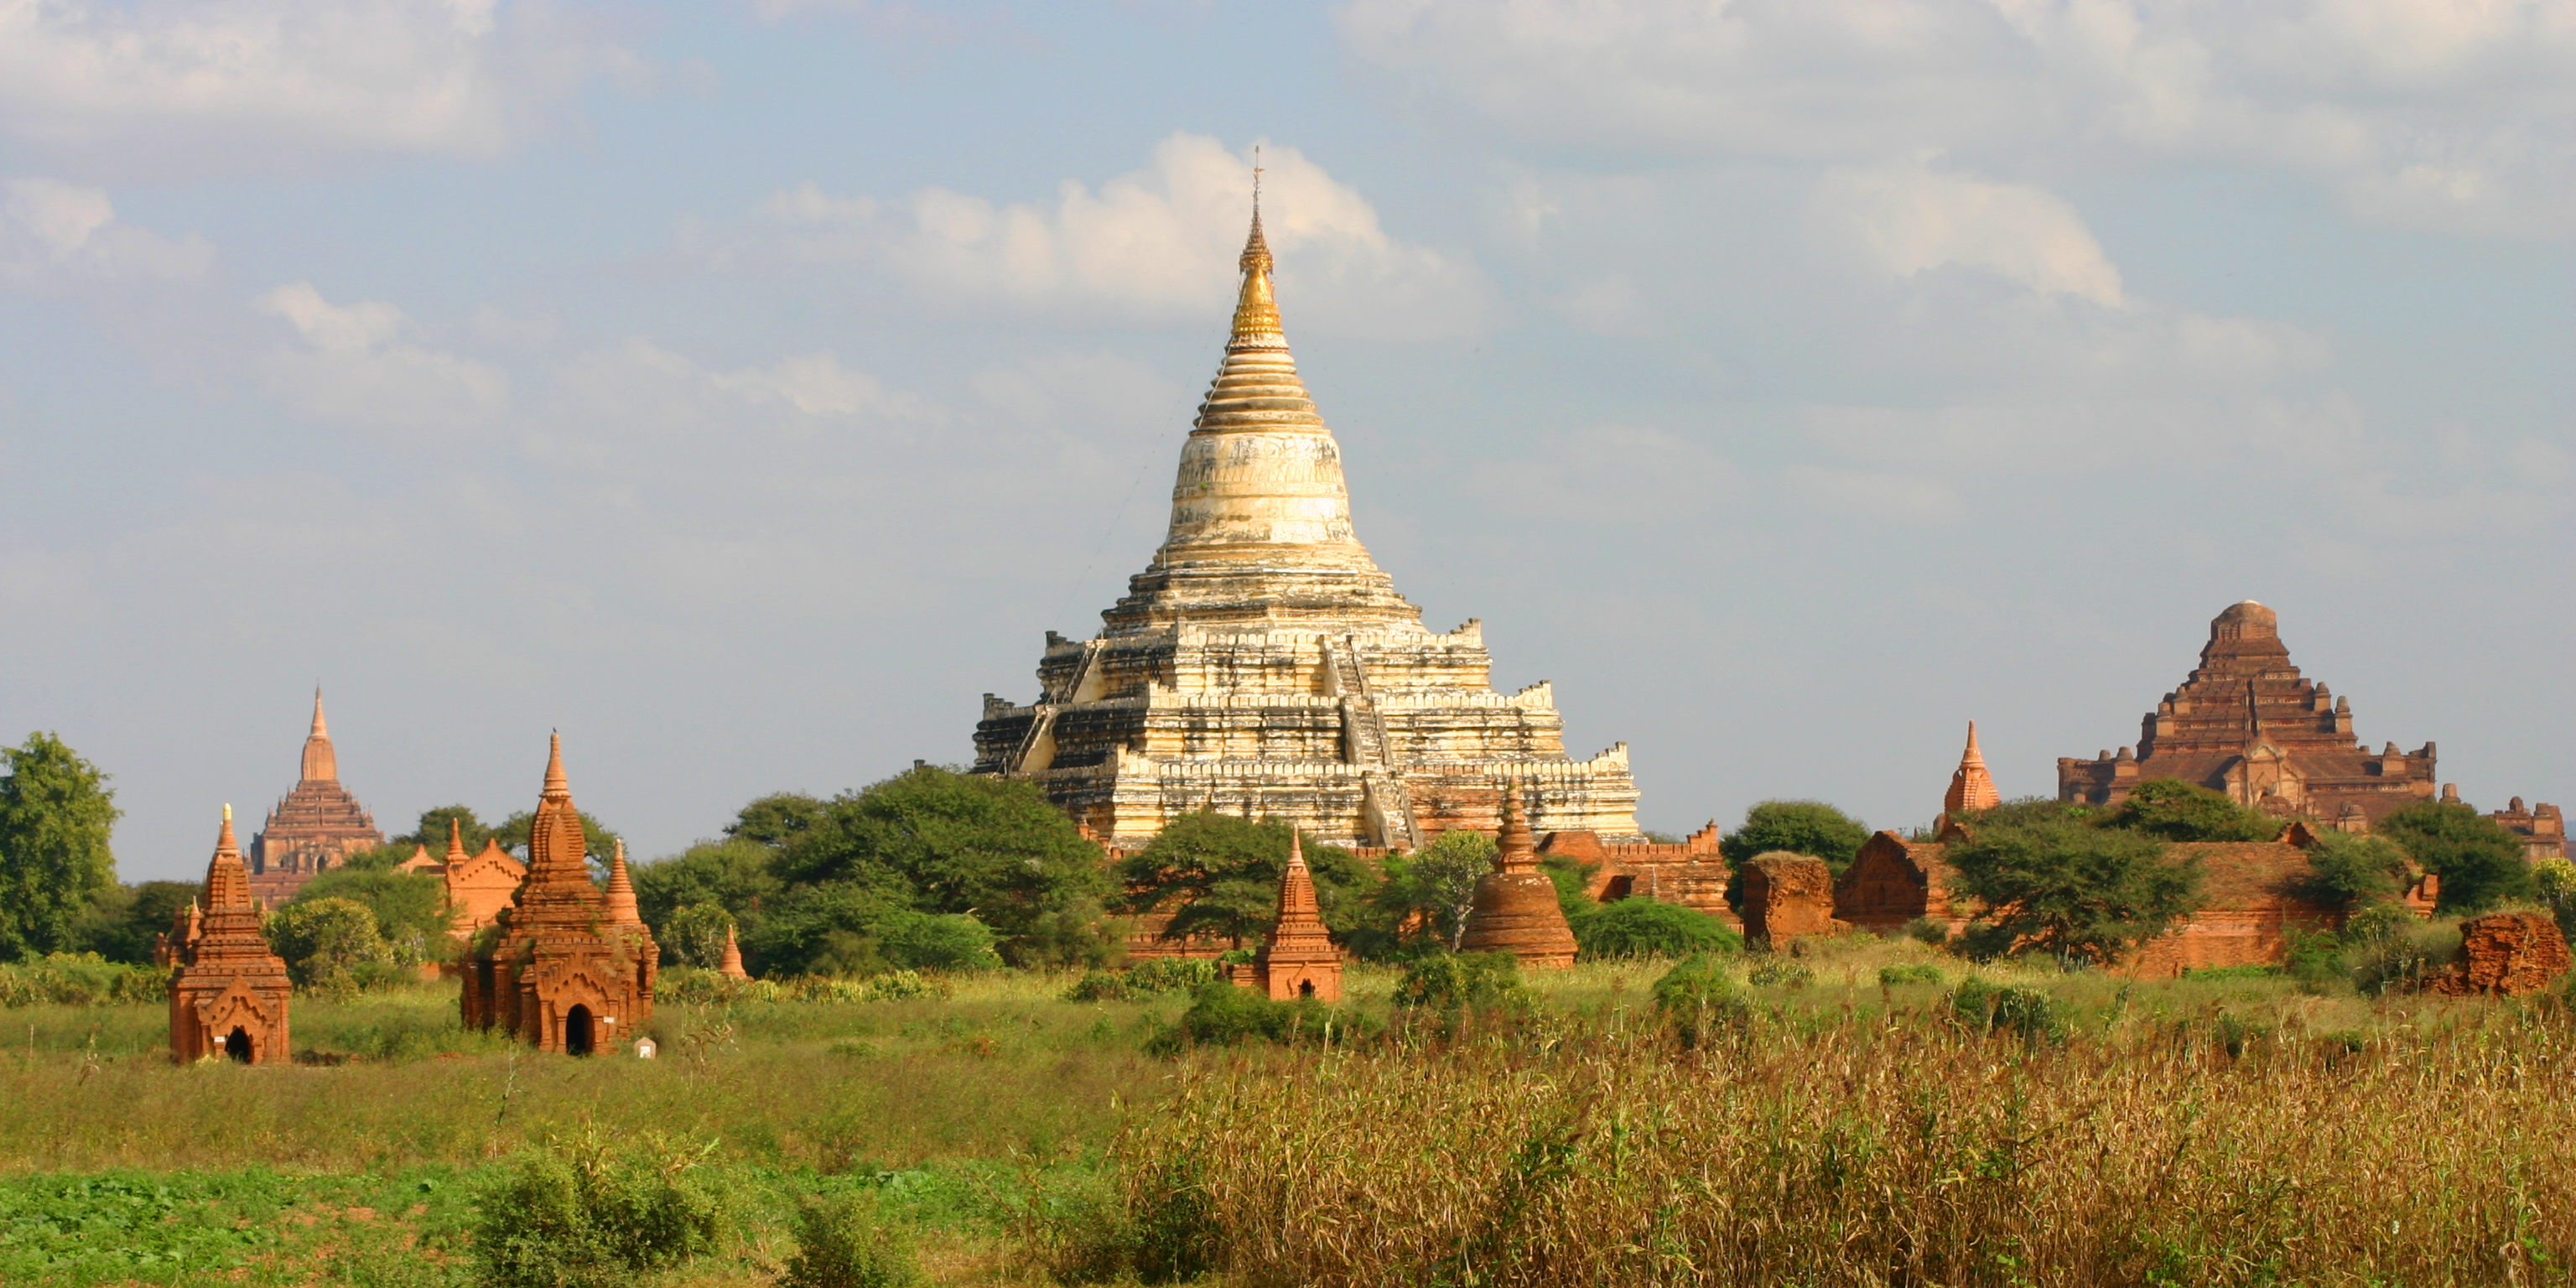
{"points": [[1256, 313]]}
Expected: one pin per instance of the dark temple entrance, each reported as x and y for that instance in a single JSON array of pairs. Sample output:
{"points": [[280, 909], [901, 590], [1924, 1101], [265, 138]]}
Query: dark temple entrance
{"points": [[577, 1035], [237, 1045]]}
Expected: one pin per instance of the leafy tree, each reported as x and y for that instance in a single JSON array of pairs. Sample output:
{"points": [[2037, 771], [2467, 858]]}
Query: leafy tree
{"points": [[410, 908], [1435, 887], [2480, 863], [597, 841], [2554, 881], [126, 920], [2174, 810], [776, 819], [695, 935], [327, 943], [1219, 875], [2349, 871], [821, 929], [1641, 927], [737, 876], [2054, 883], [1812, 828], [1573, 883], [56, 811], [935, 941], [938, 841]]}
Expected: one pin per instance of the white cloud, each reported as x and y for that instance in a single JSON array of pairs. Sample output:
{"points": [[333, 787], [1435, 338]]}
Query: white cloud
{"points": [[358, 365], [1159, 243], [214, 85], [2450, 114], [816, 384], [54, 232], [1911, 219]]}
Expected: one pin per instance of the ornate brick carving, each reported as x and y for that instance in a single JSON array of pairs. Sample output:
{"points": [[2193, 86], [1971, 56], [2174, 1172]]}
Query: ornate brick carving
{"points": [[230, 994]]}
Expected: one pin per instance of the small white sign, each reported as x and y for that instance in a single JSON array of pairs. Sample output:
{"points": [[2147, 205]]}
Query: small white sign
{"points": [[644, 1049]]}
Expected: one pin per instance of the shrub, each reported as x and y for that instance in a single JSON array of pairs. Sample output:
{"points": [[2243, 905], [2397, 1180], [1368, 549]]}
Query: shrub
{"points": [[1450, 983], [1909, 973], [2313, 957], [1697, 995], [2173, 810], [695, 935], [699, 986], [1224, 1015], [1173, 974], [2374, 923], [2554, 881], [1641, 927], [1772, 972], [326, 941], [2348, 871], [576, 1214], [2410, 954], [840, 1243], [1801, 827], [2062, 887], [1101, 986], [2026, 1013], [80, 979], [2480, 863], [1924, 930], [935, 941], [905, 986]]}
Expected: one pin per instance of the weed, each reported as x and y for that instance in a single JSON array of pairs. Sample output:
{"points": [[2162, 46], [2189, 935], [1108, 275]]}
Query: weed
{"points": [[843, 1242]]}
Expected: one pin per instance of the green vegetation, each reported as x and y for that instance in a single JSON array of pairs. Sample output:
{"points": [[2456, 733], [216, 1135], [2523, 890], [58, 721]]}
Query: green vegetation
{"points": [[1812, 828], [2061, 884], [1219, 875], [329, 945], [2353, 871], [577, 1214], [1638, 927], [2480, 863], [409, 908], [55, 814], [1434, 887], [2172, 810]]}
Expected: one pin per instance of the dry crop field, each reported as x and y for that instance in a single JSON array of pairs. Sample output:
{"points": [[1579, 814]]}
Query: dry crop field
{"points": [[1813, 1126]]}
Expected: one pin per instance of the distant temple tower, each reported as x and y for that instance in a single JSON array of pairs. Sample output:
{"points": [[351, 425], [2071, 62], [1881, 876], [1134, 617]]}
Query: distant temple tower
{"points": [[2246, 724], [316, 826], [479, 886], [1971, 787], [230, 993], [574, 967], [1299, 960], [1263, 665]]}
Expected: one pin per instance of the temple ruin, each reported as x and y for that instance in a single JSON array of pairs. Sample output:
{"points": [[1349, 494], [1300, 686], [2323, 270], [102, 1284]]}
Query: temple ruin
{"points": [[2245, 723], [1299, 960], [1263, 664], [314, 827], [573, 967], [228, 998]]}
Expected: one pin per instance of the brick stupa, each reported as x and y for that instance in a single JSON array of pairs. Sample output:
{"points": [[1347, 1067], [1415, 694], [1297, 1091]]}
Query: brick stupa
{"points": [[574, 966], [1971, 788], [2247, 724], [1515, 909], [1264, 665], [229, 995], [1299, 961], [315, 827]]}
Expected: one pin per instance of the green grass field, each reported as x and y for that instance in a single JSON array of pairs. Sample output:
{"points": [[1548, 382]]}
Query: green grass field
{"points": [[966, 1115]]}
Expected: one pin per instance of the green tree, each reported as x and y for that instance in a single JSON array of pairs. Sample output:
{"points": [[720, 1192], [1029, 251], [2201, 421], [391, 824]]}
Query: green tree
{"points": [[410, 908], [1641, 927], [2173, 810], [2054, 883], [2348, 871], [56, 811], [737, 876], [1434, 887], [126, 920], [1218, 874], [2554, 881], [2480, 863], [327, 944], [1812, 828], [694, 935], [938, 841], [824, 929], [597, 841], [775, 819]]}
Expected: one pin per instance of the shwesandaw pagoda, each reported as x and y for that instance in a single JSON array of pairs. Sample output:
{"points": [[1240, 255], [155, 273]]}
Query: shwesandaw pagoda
{"points": [[1264, 665]]}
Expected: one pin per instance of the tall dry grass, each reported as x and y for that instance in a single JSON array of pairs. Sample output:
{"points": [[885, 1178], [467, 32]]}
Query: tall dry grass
{"points": [[1878, 1150]]}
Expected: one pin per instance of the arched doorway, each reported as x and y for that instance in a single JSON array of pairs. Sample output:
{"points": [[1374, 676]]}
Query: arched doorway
{"points": [[237, 1045], [1305, 988], [577, 1038]]}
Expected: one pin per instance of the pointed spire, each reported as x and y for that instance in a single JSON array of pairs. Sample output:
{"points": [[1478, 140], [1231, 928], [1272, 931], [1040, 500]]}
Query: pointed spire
{"points": [[556, 784], [731, 966], [1971, 787], [621, 891], [321, 763], [224, 842], [227, 881], [1256, 310], [1516, 849], [455, 840]]}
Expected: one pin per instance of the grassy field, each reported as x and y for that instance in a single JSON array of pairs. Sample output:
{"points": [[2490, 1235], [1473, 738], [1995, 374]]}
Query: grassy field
{"points": [[1828, 1130]]}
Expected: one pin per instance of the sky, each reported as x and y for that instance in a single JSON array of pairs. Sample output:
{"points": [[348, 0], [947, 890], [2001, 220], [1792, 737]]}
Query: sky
{"points": [[743, 389]]}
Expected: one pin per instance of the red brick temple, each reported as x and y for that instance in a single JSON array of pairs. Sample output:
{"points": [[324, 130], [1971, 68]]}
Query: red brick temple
{"points": [[315, 827], [229, 996], [1299, 961], [574, 966]]}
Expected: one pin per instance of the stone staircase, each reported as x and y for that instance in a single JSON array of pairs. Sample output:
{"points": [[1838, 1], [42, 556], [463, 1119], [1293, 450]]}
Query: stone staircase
{"points": [[1043, 725], [1364, 744]]}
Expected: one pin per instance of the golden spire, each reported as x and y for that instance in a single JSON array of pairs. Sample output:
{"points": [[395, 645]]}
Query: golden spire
{"points": [[1256, 311]]}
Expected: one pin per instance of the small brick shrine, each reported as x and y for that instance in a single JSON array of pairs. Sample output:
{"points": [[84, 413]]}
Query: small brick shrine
{"points": [[230, 994]]}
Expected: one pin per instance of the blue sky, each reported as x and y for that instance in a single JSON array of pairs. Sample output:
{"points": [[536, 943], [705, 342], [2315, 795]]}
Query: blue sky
{"points": [[743, 389]]}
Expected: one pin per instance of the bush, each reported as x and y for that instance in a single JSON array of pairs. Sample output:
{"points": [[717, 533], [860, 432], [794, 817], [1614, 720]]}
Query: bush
{"points": [[576, 1214], [1772, 972], [695, 935], [1811, 828], [2406, 956], [2480, 863], [1909, 973], [1101, 986], [1642, 927], [2313, 957], [325, 943], [1224, 1015], [2554, 881], [699, 986], [840, 1243], [1697, 995], [2376, 923], [2173, 810], [80, 979], [1924, 930], [935, 941], [905, 986], [2059, 886], [2026, 1013], [1449, 983], [1144, 979], [2348, 871]]}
